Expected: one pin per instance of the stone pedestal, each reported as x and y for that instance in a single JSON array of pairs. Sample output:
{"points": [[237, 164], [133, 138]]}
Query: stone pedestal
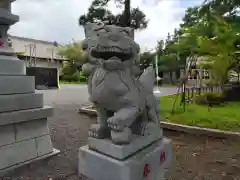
{"points": [[147, 163], [121, 152], [24, 133]]}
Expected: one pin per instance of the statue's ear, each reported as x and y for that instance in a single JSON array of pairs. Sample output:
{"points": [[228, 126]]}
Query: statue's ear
{"points": [[130, 31], [90, 28]]}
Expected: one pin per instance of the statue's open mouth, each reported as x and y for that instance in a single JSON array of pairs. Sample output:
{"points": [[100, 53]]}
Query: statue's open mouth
{"points": [[111, 52]]}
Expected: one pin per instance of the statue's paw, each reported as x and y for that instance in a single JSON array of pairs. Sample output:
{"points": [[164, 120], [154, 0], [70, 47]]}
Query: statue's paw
{"points": [[123, 137], [98, 131], [115, 124]]}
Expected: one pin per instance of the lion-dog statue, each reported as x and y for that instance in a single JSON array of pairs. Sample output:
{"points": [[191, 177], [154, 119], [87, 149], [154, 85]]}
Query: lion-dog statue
{"points": [[123, 98]]}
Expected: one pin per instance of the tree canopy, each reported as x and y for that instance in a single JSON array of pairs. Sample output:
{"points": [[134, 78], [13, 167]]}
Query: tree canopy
{"points": [[209, 31], [98, 12], [74, 55]]}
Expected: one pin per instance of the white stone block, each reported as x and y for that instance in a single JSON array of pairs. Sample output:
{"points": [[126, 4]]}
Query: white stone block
{"points": [[17, 102], [17, 153], [31, 129], [44, 145], [25, 115], [7, 135], [12, 67], [147, 164], [17, 84]]}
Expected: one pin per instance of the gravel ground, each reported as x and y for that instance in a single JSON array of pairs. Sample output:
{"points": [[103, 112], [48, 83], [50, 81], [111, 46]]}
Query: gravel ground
{"points": [[195, 158]]}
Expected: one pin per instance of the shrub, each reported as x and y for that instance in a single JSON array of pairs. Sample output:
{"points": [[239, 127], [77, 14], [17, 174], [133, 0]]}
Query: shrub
{"points": [[68, 78], [82, 78], [76, 77], [210, 99]]}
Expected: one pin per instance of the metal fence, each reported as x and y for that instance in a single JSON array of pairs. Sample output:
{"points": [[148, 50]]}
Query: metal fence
{"points": [[192, 92]]}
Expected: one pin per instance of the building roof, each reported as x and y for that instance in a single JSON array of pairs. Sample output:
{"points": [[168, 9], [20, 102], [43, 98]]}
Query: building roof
{"points": [[33, 40]]}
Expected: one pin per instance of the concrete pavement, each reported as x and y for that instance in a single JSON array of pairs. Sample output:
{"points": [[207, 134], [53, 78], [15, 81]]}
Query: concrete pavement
{"points": [[78, 94]]}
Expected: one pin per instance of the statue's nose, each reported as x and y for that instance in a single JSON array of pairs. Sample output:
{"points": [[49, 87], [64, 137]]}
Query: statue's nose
{"points": [[114, 37]]}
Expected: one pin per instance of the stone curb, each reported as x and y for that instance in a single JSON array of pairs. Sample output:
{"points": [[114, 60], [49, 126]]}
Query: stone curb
{"points": [[181, 128]]}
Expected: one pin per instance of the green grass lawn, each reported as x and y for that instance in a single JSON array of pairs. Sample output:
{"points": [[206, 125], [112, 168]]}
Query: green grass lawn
{"points": [[225, 117], [67, 82]]}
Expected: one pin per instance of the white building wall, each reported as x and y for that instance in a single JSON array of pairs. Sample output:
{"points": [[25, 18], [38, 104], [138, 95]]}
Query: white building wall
{"points": [[46, 64], [43, 49], [39, 49]]}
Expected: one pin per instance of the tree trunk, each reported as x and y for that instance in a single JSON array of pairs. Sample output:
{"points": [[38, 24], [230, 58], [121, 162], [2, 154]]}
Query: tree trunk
{"points": [[127, 13]]}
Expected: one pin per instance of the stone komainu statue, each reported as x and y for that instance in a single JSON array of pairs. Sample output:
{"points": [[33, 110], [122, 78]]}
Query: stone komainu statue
{"points": [[125, 103]]}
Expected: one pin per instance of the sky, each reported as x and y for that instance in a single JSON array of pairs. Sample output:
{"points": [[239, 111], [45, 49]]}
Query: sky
{"points": [[57, 20]]}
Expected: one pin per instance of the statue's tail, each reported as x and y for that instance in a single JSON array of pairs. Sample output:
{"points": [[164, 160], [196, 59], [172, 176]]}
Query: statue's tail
{"points": [[147, 79]]}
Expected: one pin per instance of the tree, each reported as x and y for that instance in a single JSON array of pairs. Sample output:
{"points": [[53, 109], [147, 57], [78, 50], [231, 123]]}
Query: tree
{"points": [[219, 51], [211, 38], [146, 58], [98, 11], [191, 17], [205, 32], [168, 60], [221, 7], [74, 54]]}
